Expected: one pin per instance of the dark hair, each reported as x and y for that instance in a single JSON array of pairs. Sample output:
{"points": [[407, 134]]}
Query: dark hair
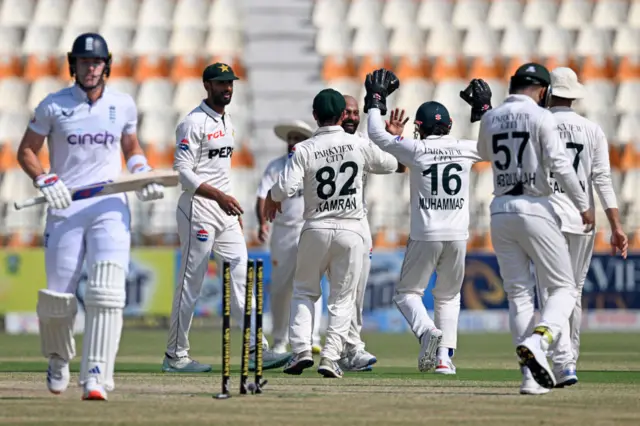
{"points": [[328, 121]]}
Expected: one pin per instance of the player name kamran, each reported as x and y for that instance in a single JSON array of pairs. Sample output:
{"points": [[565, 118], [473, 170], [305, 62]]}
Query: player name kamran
{"points": [[333, 154], [512, 179], [337, 204], [441, 203]]}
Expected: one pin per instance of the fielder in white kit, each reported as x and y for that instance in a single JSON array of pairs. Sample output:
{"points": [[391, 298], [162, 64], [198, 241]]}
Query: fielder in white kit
{"points": [[520, 139], [207, 219], [283, 242], [88, 127], [440, 167], [586, 143], [329, 166]]}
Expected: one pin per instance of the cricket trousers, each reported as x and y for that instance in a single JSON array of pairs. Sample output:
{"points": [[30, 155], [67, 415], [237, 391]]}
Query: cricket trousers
{"points": [[283, 246], [421, 260], [566, 349], [197, 241], [519, 239], [338, 250]]}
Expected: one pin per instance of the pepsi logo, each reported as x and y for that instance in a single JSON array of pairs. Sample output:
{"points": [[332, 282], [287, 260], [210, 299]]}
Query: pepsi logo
{"points": [[202, 235], [184, 145]]}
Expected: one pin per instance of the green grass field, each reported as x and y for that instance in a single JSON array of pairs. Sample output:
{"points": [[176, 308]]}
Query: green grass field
{"points": [[485, 391]]}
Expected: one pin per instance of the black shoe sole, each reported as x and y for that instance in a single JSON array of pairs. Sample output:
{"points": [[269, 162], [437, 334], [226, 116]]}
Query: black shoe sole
{"points": [[299, 367], [540, 375]]}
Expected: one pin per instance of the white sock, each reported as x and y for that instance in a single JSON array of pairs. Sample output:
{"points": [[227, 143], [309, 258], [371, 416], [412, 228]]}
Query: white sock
{"points": [[443, 353]]}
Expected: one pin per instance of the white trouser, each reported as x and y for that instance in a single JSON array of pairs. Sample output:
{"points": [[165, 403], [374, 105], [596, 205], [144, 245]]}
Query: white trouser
{"points": [[338, 252], [354, 340], [284, 251], [422, 258], [517, 240], [567, 347], [197, 240], [99, 232]]}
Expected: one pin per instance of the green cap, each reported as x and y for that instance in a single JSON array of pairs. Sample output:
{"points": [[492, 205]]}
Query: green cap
{"points": [[432, 113], [328, 103], [218, 72], [533, 72]]}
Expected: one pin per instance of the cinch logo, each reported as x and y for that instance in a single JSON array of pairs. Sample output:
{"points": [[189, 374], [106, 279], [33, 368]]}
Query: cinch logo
{"points": [[184, 145], [215, 135], [224, 152], [202, 235], [90, 139]]}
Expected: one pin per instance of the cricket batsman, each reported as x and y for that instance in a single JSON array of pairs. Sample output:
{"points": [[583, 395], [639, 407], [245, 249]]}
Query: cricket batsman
{"points": [[283, 244], [208, 218], [329, 167], [520, 139], [87, 127], [589, 151], [440, 167]]}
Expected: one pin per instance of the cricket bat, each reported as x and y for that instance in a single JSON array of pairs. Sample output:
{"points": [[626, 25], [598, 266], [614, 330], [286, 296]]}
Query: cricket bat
{"points": [[124, 184]]}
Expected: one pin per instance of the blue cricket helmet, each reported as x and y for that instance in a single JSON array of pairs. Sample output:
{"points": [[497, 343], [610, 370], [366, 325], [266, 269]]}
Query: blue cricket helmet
{"points": [[89, 45]]}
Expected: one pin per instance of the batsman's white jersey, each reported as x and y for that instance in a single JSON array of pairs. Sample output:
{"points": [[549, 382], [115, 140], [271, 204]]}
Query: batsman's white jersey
{"points": [[521, 141], [440, 168], [204, 145], [329, 166], [283, 246], [84, 140], [586, 142]]}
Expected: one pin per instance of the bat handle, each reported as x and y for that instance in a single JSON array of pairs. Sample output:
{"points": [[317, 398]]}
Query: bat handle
{"points": [[29, 203]]}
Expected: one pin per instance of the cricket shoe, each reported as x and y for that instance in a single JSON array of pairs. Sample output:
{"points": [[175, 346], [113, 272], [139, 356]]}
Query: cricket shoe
{"points": [[529, 386], [329, 368], [532, 354], [270, 359], [183, 364], [565, 376], [94, 391], [298, 363], [58, 375], [358, 361], [445, 366], [429, 343]]}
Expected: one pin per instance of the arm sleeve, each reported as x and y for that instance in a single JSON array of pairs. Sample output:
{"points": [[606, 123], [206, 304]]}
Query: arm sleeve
{"points": [[558, 162], [601, 172], [483, 143], [184, 160], [402, 149], [378, 161], [291, 177], [42, 119], [131, 125], [266, 183]]}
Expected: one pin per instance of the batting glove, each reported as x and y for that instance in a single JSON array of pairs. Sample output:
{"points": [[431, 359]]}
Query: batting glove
{"points": [[54, 190], [478, 96], [379, 84], [151, 192]]}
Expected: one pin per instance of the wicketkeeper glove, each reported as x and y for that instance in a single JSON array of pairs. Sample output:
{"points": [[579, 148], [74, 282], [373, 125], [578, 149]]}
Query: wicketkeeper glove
{"points": [[379, 84], [54, 190], [478, 95]]}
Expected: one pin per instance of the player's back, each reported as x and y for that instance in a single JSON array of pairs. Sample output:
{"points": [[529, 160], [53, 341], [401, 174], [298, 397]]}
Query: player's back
{"points": [[333, 180], [440, 178], [84, 138], [585, 143]]}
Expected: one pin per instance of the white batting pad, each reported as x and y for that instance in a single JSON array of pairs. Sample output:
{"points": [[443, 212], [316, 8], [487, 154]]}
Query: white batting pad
{"points": [[104, 301], [56, 314]]}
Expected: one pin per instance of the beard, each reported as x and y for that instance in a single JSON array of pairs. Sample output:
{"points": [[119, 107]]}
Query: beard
{"points": [[350, 126], [220, 100]]}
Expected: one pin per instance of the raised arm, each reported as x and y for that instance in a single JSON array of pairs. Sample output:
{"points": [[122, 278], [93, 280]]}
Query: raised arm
{"points": [[401, 148]]}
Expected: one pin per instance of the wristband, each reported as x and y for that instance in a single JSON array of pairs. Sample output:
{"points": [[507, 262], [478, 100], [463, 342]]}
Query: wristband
{"points": [[136, 160]]}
